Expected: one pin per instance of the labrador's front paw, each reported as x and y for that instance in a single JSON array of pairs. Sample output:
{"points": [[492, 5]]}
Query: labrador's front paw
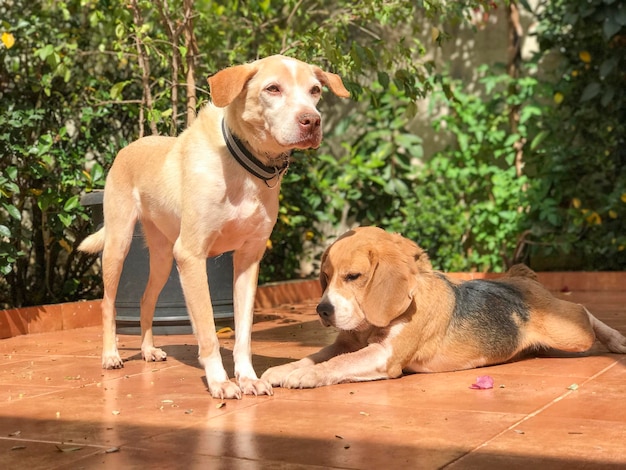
{"points": [[224, 390], [255, 386], [152, 354], [112, 360]]}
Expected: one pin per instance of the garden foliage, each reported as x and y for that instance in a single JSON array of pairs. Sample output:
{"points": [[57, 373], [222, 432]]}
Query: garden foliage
{"points": [[73, 92]]}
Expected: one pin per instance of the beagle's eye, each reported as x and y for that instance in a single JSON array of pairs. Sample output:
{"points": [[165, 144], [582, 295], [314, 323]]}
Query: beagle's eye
{"points": [[316, 90], [350, 277], [273, 89]]}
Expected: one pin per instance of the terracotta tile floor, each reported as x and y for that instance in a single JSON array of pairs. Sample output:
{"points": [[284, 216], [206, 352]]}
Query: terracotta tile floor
{"points": [[59, 410]]}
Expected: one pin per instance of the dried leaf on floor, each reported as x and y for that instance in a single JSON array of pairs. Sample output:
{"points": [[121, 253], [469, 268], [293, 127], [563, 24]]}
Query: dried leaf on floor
{"points": [[225, 332], [69, 449]]}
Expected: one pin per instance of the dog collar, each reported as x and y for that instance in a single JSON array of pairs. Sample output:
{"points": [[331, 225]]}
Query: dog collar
{"points": [[250, 162]]}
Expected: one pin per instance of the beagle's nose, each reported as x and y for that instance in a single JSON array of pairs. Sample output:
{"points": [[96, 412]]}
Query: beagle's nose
{"points": [[325, 310]]}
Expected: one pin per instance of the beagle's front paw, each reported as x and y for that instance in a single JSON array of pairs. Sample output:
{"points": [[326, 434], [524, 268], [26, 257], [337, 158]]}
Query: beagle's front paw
{"points": [[276, 375], [306, 377]]}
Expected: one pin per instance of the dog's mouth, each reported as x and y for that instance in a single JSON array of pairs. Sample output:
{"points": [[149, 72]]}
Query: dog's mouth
{"points": [[310, 140], [326, 322]]}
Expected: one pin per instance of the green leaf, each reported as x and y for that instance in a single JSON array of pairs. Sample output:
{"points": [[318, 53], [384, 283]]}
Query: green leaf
{"points": [[608, 96], [591, 91], [538, 139], [610, 27], [71, 204], [44, 52], [66, 219], [13, 211], [607, 67], [116, 90], [11, 172], [97, 173], [5, 231], [383, 79]]}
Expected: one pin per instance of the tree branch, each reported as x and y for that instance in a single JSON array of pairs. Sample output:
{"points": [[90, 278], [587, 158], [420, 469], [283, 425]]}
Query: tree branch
{"points": [[144, 65], [191, 44]]}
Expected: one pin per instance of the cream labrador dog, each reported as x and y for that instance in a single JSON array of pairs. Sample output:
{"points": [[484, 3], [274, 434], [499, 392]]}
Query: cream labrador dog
{"points": [[211, 190]]}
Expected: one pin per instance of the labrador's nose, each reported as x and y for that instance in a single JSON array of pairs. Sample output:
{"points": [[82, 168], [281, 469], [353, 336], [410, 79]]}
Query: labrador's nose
{"points": [[309, 121]]}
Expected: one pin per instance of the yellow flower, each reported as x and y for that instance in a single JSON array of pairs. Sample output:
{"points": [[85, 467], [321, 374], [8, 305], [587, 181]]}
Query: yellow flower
{"points": [[594, 218], [574, 73], [612, 214], [623, 198], [558, 97], [585, 56], [576, 203], [268, 245], [309, 235], [8, 40]]}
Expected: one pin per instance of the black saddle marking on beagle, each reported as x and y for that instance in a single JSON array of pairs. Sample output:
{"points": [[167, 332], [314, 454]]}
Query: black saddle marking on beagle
{"points": [[493, 311]]}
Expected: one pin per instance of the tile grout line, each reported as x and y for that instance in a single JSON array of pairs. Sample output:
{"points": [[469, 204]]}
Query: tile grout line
{"points": [[529, 416]]}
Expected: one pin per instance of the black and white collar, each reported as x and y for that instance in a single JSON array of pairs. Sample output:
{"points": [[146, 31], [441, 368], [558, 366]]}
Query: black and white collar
{"points": [[251, 163]]}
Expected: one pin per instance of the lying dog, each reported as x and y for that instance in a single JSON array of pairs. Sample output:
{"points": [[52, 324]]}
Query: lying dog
{"points": [[395, 313], [211, 190]]}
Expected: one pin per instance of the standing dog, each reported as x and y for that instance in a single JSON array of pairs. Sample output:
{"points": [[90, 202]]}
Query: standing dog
{"points": [[395, 313], [212, 189]]}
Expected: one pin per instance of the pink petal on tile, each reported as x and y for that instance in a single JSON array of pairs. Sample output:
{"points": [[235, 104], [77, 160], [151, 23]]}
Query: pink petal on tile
{"points": [[483, 382]]}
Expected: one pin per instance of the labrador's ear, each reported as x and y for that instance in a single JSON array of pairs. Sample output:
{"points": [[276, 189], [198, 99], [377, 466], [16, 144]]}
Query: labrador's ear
{"points": [[392, 284], [228, 83], [332, 81]]}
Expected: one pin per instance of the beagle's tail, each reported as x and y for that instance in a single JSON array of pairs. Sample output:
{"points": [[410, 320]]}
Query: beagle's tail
{"points": [[94, 243], [610, 337]]}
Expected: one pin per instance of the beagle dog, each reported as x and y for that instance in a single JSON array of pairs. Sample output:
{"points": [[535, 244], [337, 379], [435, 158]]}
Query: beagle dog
{"points": [[396, 314], [215, 188]]}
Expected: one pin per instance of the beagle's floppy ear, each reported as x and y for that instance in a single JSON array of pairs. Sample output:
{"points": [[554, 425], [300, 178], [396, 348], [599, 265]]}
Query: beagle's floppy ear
{"points": [[390, 289], [332, 81], [323, 278], [226, 84]]}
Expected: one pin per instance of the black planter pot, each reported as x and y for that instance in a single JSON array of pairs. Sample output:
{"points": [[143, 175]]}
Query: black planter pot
{"points": [[170, 316]]}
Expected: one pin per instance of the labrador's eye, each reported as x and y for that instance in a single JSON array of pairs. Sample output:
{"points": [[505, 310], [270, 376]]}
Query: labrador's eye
{"points": [[350, 277], [273, 89], [316, 90]]}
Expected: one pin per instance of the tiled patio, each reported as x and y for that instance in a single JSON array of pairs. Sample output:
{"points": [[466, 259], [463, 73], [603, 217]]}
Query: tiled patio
{"points": [[60, 410]]}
